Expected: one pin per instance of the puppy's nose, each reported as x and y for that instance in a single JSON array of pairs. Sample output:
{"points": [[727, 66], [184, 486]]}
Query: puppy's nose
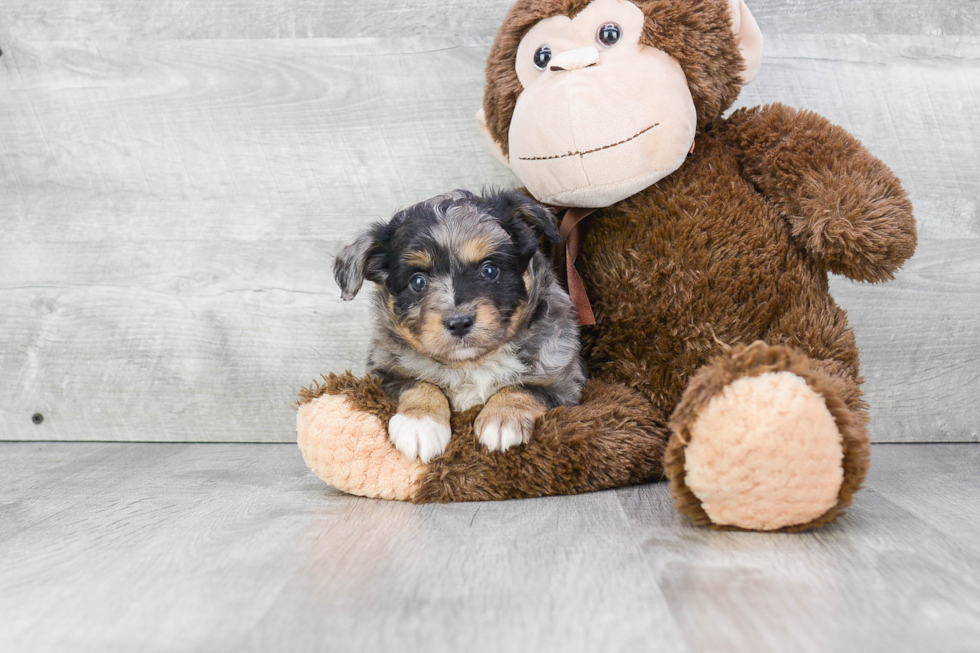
{"points": [[459, 325]]}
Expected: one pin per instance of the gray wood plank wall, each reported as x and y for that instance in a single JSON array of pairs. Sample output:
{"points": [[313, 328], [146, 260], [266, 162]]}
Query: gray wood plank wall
{"points": [[175, 179]]}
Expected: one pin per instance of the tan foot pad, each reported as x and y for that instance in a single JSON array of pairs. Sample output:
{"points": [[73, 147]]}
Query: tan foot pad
{"points": [[349, 449], [765, 454]]}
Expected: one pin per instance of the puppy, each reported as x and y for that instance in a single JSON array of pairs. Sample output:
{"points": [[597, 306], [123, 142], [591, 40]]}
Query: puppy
{"points": [[468, 312]]}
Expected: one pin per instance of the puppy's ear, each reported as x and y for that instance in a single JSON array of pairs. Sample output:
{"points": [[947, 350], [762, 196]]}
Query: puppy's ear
{"points": [[362, 259], [518, 206], [524, 220]]}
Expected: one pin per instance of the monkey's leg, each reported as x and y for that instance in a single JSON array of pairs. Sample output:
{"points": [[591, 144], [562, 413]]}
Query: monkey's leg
{"points": [[766, 438], [614, 438]]}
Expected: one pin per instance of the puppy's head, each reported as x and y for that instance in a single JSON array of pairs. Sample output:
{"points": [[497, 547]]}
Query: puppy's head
{"points": [[450, 270]]}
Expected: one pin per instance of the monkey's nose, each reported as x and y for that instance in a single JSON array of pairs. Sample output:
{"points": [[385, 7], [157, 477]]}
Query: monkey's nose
{"points": [[459, 325], [575, 59]]}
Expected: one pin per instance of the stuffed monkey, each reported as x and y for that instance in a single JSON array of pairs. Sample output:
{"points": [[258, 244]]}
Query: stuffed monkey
{"points": [[717, 356]]}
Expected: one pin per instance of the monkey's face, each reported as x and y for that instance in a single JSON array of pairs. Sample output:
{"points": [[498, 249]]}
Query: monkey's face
{"points": [[590, 102], [601, 116]]}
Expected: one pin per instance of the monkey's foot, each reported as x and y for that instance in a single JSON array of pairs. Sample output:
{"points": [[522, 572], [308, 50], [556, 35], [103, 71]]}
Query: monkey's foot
{"points": [[765, 450]]}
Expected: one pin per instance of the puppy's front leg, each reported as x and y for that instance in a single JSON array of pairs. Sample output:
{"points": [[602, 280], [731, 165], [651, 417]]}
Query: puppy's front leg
{"points": [[420, 428], [508, 418]]}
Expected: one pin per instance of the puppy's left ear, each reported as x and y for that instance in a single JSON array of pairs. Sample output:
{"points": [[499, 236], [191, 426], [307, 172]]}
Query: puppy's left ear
{"points": [[518, 206], [362, 259]]}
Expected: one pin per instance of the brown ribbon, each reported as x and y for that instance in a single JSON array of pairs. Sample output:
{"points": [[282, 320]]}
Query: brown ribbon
{"points": [[572, 229]]}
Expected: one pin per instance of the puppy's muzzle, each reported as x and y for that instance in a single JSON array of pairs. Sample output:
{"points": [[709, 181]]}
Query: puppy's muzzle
{"points": [[459, 325]]}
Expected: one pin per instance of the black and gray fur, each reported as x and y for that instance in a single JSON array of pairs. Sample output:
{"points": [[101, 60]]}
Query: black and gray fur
{"points": [[524, 333]]}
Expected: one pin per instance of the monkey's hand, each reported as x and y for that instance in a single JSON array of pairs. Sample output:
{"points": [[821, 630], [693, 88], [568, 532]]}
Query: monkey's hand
{"points": [[508, 419], [843, 205]]}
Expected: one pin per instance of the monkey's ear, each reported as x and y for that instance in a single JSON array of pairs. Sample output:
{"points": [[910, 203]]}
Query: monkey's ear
{"points": [[362, 259], [495, 149], [749, 38]]}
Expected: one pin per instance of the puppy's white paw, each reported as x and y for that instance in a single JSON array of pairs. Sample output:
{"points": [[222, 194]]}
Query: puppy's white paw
{"points": [[499, 431], [418, 437]]}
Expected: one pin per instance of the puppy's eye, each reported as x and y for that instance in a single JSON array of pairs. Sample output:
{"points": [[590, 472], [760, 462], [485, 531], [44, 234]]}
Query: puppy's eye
{"points": [[609, 34], [541, 57], [417, 283], [489, 271]]}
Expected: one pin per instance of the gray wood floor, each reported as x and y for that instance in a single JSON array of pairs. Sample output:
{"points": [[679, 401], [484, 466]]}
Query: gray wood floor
{"points": [[175, 178], [221, 547]]}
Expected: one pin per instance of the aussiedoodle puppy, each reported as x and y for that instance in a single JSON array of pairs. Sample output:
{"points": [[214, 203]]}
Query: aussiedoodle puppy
{"points": [[468, 312]]}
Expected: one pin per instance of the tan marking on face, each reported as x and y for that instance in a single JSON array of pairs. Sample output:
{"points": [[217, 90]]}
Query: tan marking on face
{"points": [[424, 400], [487, 321], [404, 330], [419, 258], [476, 249], [516, 318], [426, 332], [459, 223], [433, 335]]}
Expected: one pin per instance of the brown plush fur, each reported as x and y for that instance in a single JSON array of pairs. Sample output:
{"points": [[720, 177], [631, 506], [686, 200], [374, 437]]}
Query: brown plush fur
{"points": [[842, 204], [365, 394], [731, 249], [610, 440]]}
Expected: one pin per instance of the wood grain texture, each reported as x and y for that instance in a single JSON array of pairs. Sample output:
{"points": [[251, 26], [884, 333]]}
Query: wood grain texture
{"points": [[55, 20], [220, 140], [315, 138], [216, 547], [210, 339], [919, 338], [171, 206]]}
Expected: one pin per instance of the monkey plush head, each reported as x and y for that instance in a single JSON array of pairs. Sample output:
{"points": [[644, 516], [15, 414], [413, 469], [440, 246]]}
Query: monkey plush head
{"points": [[591, 102]]}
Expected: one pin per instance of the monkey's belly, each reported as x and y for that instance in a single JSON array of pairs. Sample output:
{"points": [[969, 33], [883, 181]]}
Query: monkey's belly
{"points": [[659, 321]]}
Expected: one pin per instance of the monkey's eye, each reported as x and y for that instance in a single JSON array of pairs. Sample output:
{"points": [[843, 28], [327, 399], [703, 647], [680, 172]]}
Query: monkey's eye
{"points": [[609, 34], [489, 271], [417, 282], [541, 57]]}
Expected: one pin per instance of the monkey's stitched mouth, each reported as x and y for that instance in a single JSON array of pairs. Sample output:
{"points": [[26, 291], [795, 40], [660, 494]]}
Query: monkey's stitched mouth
{"points": [[583, 153]]}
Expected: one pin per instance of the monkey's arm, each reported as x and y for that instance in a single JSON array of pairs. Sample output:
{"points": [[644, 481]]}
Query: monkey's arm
{"points": [[842, 204]]}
